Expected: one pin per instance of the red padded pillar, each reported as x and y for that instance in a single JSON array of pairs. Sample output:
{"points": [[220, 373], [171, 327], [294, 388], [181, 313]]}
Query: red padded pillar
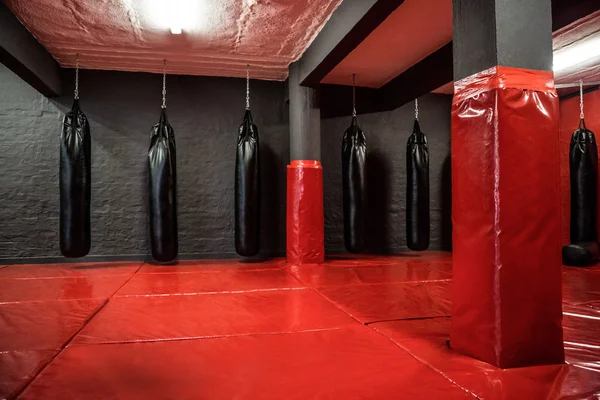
{"points": [[305, 216], [507, 301]]}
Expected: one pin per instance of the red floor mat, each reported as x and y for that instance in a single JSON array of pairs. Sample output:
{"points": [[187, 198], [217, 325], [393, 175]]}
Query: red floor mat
{"points": [[581, 331], [336, 364], [209, 282], [69, 269], [437, 328], [212, 265], [426, 340], [43, 325], [369, 259], [383, 302], [580, 285], [65, 288], [282, 340], [17, 368], [142, 318], [337, 275]]}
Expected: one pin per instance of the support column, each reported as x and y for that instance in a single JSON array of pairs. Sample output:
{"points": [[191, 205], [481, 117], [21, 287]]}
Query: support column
{"points": [[507, 300], [305, 218], [305, 119]]}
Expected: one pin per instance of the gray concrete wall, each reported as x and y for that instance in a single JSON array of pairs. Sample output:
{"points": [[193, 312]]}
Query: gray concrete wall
{"points": [[205, 113], [121, 107], [387, 134]]}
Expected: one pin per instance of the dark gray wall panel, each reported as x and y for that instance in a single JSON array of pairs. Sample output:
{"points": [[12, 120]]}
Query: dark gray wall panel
{"points": [[387, 134], [26, 57], [510, 33], [122, 107], [205, 113], [305, 138]]}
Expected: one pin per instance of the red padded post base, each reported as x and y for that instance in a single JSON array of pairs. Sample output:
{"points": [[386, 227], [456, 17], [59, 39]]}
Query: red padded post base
{"points": [[506, 218], [305, 217]]}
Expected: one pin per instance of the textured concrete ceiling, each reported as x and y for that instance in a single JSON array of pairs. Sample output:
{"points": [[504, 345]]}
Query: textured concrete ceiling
{"points": [[415, 30], [219, 36]]}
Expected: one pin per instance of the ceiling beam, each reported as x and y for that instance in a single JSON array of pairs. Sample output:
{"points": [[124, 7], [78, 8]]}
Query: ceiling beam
{"points": [[565, 12], [347, 27], [26, 57], [425, 76], [336, 100], [433, 71]]}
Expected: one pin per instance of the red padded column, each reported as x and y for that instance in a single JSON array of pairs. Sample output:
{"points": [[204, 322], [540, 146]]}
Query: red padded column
{"points": [[305, 216], [507, 296]]}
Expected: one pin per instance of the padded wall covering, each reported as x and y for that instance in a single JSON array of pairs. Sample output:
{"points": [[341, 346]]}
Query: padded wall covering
{"points": [[506, 302], [569, 120], [121, 107]]}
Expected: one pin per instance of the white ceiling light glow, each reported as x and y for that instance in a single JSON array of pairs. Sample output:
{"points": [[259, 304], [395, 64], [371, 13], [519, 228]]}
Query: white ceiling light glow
{"points": [[176, 15], [580, 52]]}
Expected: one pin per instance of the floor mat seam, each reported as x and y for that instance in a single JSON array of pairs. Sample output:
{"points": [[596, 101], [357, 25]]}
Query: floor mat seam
{"points": [[406, 319], [70, 340], [276, 289], [207, 271], [224, 336], [384, 283], [464, 389], [314, 289], [47, 278]]}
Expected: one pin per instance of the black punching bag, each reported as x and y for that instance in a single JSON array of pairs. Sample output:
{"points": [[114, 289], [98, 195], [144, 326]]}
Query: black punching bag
{"points": [[75, 184], [247, 189], [417, 190], [354, 181], [162, 191], [583, 165]]}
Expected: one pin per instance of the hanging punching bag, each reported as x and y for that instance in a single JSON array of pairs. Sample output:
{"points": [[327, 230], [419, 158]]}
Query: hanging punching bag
{"points": [[75, 184], [583, 165], [354, 173], [417, 190], [247, 189], [162, 191]]}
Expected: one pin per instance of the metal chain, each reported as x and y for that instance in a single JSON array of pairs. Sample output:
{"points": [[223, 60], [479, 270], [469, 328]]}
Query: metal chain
{"points": [[581, 99], [164, 87], [76, 94], [417, 109], [354, 95], [248, 87]]}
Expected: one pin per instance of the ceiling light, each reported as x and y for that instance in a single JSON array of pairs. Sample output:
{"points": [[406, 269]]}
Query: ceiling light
{"points": [[577, 53], [176, 15]]}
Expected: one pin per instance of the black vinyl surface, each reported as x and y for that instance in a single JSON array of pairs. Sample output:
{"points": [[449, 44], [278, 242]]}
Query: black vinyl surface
{"points": [[581, 255], [247, 189], [354, 181], [386, 175], [162, 190], [583, 167], [417, 190], [75, 184]]}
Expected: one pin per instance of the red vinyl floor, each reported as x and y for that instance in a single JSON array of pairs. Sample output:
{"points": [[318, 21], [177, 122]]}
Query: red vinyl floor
{"points": [[356, 328]]}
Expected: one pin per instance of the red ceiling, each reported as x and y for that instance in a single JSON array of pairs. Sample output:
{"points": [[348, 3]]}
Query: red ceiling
{"points": [[420, 27], [589, 71], [222, 36], [415, 30], [219, 36]]}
